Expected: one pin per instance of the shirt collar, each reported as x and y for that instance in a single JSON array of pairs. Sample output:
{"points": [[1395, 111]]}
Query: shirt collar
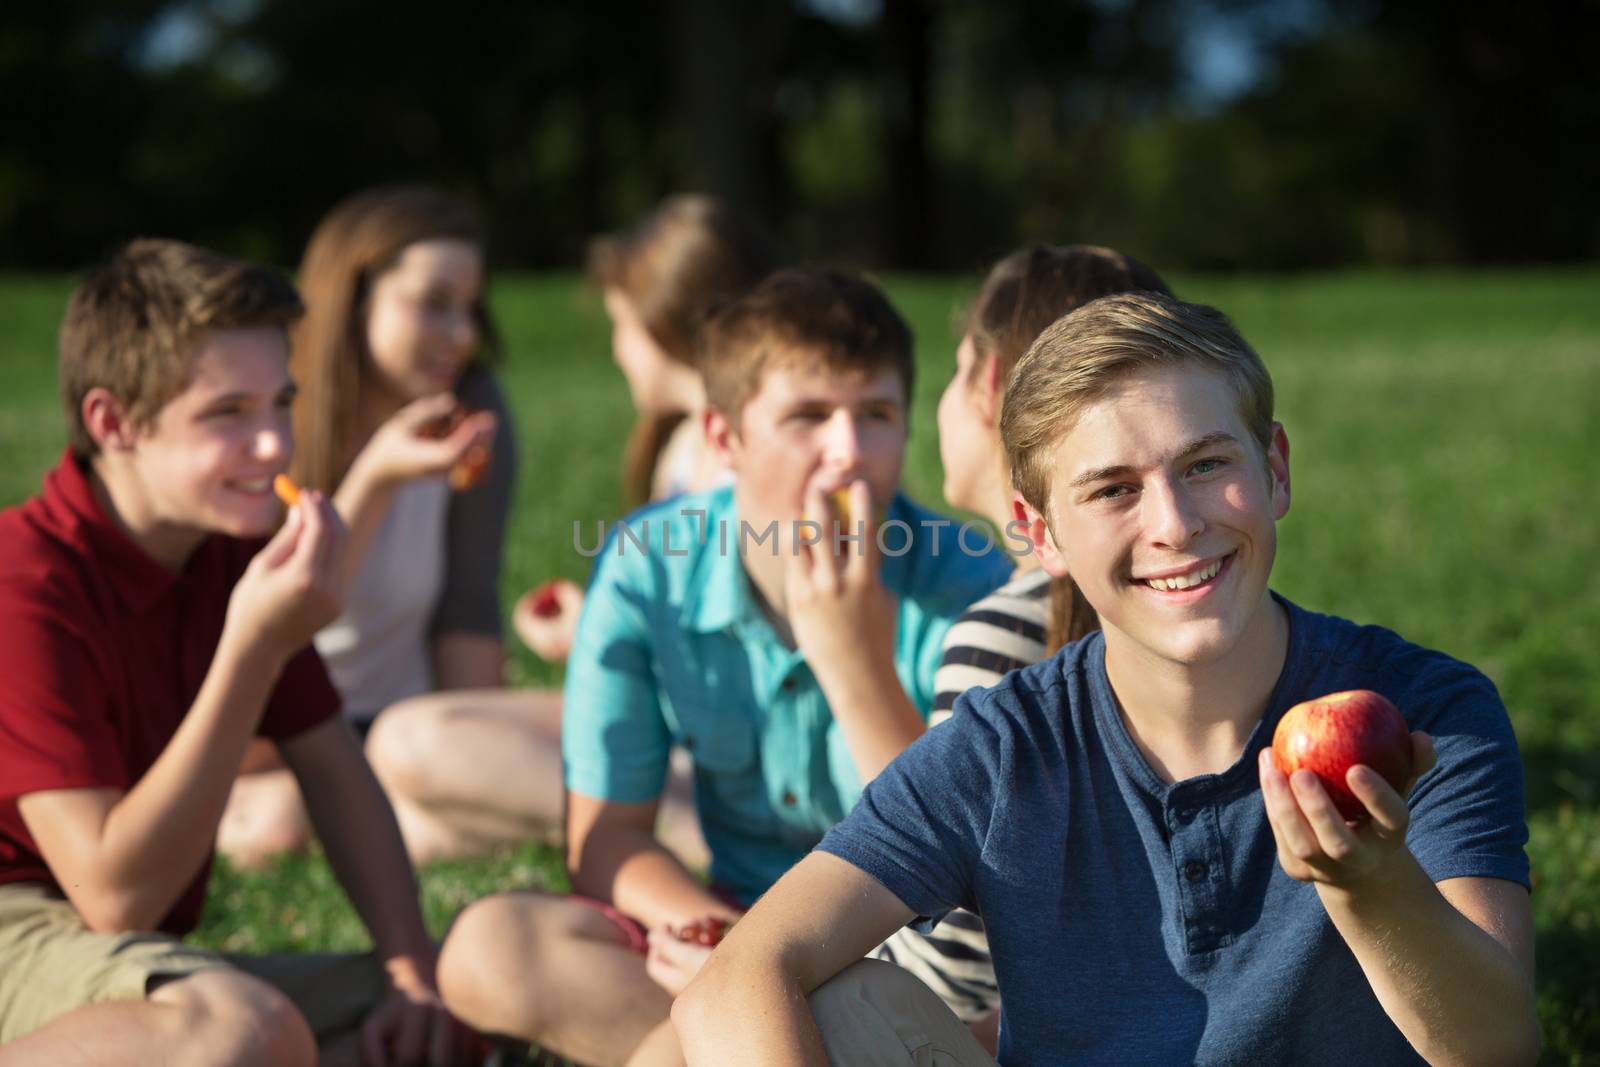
{"points": [[725, 595], [131, 572]]}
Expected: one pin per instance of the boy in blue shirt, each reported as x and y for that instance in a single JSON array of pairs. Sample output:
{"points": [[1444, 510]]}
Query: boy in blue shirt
{"points": [[1155, 891], [791, 670]]}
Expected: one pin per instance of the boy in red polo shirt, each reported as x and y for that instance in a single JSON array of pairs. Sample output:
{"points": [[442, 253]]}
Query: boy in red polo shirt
{"points": [[145, 637]]}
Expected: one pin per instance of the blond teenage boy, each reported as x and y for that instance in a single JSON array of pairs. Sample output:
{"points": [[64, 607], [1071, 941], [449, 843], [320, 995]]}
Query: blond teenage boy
{"points": [[791, 672], [1154, 890], [146, 636]]}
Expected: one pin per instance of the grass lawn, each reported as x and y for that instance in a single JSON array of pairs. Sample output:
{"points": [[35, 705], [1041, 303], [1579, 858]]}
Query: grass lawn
{"points": [[1444, 429]]}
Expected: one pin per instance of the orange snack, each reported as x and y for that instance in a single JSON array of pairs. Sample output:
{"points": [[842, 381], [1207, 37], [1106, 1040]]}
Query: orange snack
{"points": [[840, 499], [287, 491], [470, 471], [474, 464]]}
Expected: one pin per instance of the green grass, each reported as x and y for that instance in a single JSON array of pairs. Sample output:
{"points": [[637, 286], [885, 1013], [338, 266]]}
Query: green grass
{"points": [[1443, 431]]}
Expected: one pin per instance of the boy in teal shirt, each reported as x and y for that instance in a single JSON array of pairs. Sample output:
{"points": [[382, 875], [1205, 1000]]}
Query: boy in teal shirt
{"points": [[791, 663]]}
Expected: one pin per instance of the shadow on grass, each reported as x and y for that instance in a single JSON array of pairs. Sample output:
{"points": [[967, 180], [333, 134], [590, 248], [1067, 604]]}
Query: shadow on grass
{"points": [[1558, 775], [1569, 994]]}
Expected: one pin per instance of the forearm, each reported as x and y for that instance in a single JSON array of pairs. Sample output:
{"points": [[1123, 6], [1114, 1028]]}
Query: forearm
{"points": [[357, 827], [362, 500], [747, 1011], [630, 870], [157, 836], [1456, 993], [877, 718]]}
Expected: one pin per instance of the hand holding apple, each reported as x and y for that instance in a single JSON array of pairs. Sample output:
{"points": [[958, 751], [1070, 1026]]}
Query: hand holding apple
{"points": [[675, 956], [1317, 840], [546, 618]]}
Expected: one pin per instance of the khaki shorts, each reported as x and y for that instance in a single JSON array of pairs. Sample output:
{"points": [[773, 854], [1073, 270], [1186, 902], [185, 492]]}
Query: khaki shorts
{"points": [[874, 1014], [51, 964]]}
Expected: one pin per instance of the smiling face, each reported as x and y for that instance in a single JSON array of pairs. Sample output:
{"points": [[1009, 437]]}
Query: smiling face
{"points": [[422, 319], [205, 463], [808, 427], [1164, 510]]}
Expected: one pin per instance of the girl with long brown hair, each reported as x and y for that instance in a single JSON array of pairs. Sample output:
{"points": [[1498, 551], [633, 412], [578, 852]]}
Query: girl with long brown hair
{"points": [[466, 773], [661, 280], [396, 414]]}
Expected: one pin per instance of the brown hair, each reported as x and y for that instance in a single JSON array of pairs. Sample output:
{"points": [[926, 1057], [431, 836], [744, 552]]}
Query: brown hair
{"points": [[133, 323], [1079, 358], [1033, 287], [677, 266], [360, 239], [1024, 293], [805, 316]]}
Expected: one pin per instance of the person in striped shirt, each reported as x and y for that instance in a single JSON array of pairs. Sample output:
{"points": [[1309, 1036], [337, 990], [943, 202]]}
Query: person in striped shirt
{"points": [[1032, 615]]}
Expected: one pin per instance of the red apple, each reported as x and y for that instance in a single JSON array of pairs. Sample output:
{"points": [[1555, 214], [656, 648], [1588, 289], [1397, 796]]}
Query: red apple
{"points": [[707, 932], [546, 601], [1331, 734]]}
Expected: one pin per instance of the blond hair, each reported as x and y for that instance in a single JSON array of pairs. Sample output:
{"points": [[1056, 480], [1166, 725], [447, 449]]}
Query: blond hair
{"points": [[133, 325], [1081, 356]]}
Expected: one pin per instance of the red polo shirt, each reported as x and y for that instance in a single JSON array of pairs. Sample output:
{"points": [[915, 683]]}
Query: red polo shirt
{"points": [[102, 652]]}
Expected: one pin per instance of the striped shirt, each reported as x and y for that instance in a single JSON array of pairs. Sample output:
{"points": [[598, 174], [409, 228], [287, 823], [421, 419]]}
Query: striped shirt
{"points": [[1000, 633]]}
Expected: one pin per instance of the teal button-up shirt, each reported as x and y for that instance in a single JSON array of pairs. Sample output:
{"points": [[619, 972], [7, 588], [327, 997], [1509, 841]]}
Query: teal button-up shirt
{"points": [[672, 647]]}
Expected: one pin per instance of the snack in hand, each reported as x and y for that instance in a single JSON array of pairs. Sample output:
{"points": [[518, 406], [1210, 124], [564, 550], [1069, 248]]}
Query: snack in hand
{"points": [[840, 499], [471, 468], [708, 932], [287, 491], [442, 426]]}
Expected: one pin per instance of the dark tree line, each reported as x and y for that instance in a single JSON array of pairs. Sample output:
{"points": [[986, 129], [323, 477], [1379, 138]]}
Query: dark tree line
{"points": [[911, 133]]}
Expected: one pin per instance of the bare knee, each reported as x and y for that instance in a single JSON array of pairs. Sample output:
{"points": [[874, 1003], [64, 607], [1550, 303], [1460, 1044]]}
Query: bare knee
{"points": [[401, 742], [491, 937], [489, 966], [264, 817], [227, 1017]]}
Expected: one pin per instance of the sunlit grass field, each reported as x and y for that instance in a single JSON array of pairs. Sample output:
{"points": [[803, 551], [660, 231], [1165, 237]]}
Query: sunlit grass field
{"points": [[1445, 443]]}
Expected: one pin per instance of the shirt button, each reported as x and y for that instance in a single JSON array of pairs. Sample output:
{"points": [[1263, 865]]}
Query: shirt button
{"points": [[1194, 870], [688, 744], [788, 684], [788, 799]]}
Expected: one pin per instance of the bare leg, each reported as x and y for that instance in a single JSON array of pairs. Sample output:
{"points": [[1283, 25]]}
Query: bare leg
{"points": [[551, 971], [660, 1048], [209, 1018], [264, 817], [468, 769]]}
